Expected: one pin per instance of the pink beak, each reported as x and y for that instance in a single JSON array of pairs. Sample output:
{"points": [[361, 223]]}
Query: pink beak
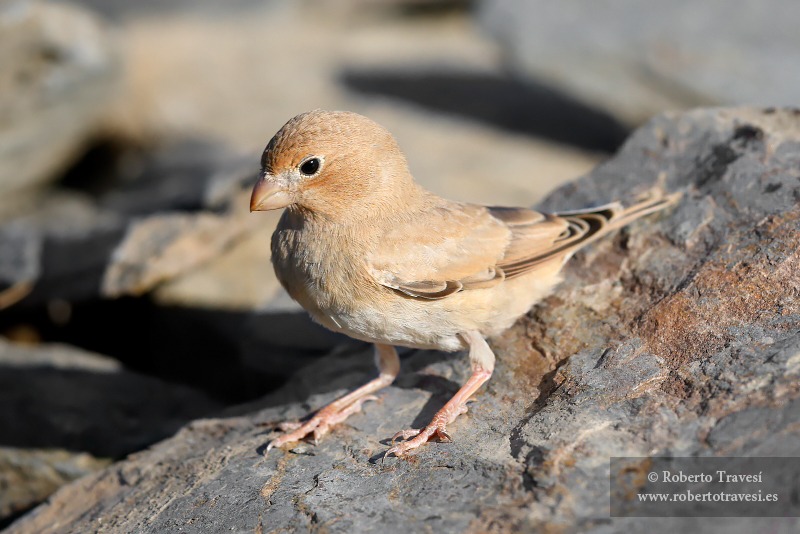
{"points": [[268, 194]]}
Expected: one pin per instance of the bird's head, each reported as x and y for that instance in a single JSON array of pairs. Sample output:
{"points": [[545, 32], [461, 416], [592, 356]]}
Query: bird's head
{"points": [[334, 163]]}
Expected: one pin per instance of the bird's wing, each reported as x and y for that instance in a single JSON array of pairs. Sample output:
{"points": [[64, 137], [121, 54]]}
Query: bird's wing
{"points": [[558, 235], [455, 247]]}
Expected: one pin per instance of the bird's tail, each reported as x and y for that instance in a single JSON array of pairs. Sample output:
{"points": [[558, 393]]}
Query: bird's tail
{"points": [[591, 224], [584, 226]]}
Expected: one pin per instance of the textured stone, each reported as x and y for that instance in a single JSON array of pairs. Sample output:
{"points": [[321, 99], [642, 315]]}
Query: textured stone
{"points": [[676, 336], [241, 278], [58, 67], [182, 207], [635, 59], [163, 246], [28, 476]]}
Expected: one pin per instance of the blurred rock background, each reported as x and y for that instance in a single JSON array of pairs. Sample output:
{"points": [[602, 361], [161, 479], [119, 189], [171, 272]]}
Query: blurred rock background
{"points": [[136, 292]]}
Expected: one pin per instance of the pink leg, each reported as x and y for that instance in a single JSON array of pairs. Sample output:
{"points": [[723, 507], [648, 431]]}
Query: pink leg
{"points": [[388, 365], [482, 360]]}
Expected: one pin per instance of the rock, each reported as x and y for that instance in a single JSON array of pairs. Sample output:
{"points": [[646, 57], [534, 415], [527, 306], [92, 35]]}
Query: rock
{"points": [[59, 248], [119, 9], [192, 74], [677, 336], [238, 279], [54, 396], [58, 69], [180, 207], [634, 59], [192, 239], [162, 246], [28, 476]]}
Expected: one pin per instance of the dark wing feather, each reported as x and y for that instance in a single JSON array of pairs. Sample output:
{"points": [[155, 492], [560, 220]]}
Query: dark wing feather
{"points": [[581, 227]]}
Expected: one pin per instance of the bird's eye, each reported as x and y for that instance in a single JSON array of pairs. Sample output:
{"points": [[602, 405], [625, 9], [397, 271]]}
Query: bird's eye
{"points": [[310, 167]]}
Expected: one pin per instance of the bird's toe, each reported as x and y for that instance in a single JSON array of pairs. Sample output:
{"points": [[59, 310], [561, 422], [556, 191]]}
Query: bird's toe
{"points": [[406, 434]]}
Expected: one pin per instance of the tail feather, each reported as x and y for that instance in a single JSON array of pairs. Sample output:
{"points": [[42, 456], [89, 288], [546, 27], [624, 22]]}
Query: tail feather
{"points": [[614, 216], [586, 226]]}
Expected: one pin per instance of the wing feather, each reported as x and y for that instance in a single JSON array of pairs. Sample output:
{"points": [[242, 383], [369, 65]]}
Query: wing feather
{"points": [[460, 247], [450, 247]]}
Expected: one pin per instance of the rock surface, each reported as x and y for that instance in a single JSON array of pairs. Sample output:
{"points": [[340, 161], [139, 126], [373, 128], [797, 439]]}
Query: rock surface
{"points": [[635, 59], [65, 412], [28, 476], [178, 208], [679, 335], [58, 67], [54, 396], [230, 75]]}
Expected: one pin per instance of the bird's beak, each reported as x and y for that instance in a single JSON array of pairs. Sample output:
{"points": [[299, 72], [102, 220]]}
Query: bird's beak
{"points": [[268, 194]]}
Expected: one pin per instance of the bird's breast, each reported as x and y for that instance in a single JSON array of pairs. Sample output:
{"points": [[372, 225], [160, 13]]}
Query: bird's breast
{"points": [[319, 269], [324, 272]]}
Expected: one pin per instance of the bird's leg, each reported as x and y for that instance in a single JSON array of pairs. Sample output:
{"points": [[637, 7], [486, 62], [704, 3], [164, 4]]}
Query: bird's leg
{"points": [[388, 366], [482, 359]]}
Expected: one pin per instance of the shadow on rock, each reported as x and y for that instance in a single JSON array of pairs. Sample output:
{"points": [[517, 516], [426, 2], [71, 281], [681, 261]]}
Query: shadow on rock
{"points": [[59, 397], [505, 102], [232, 356]]}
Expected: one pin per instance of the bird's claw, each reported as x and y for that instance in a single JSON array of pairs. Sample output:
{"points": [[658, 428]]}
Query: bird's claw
{"points": [[405, 434], [419, 436], [436, 428], [441, 434], [319, 425]]}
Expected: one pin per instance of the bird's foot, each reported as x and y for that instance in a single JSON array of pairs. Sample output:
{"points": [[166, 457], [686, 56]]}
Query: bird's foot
{"points": [[437, 428], [320, 424]]}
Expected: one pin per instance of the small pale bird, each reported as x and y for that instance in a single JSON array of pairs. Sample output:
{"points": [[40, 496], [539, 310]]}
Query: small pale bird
{"points": [[370, 253]]}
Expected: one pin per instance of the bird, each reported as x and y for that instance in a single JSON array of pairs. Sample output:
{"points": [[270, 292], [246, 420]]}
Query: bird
{"points": [[370, 253]]}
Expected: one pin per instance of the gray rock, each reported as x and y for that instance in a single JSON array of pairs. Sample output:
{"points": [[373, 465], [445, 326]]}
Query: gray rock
{"points": [[19, 255], [635, 59], [676, 336], [183, 206], [58, 67], [163, 246], [56, 397], [28, 476]]}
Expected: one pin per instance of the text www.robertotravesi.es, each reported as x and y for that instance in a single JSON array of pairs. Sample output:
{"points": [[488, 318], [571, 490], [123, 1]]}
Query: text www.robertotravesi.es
{"points": [[704, 487], [718, 496]]}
